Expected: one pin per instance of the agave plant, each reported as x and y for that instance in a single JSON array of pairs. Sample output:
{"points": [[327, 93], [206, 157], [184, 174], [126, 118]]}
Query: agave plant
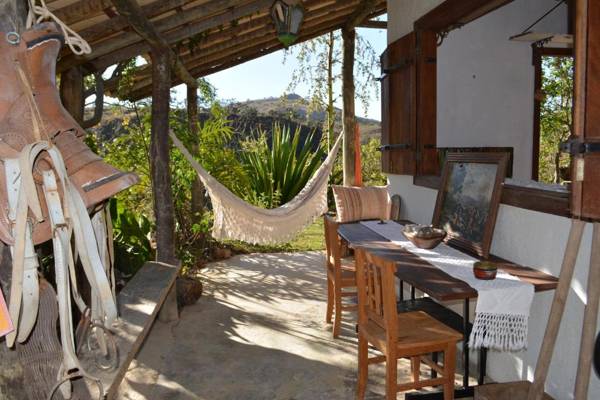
{"points": [[278, 172]]}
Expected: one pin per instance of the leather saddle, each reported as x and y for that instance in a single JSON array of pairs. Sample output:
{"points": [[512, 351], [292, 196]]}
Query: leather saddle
{"points": [[31, 110]]}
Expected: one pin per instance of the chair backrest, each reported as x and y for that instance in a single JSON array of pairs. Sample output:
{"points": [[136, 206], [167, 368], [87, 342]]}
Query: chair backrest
{"points": [[332, 242], [376, 292]]}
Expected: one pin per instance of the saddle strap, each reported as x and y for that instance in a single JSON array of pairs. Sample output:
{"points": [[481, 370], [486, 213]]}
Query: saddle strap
{"points": [[61, 245], [24, 296], [86, 243]]}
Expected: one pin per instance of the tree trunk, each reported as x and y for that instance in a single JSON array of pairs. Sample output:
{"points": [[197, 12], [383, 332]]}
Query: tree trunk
{"points": [[159, 155], [330, 107], [349, 36], [198, 191]]}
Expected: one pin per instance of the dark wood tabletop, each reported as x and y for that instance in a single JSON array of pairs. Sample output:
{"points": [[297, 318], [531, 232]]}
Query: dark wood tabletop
{"points": [[428, 278]]}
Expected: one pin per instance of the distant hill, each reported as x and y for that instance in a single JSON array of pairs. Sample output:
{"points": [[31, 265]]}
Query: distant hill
{"points": [[248, 116], [297, 109]]}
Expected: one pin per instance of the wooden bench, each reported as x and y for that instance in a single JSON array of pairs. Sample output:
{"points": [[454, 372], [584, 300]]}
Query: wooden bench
{"points": [[151, 292]]}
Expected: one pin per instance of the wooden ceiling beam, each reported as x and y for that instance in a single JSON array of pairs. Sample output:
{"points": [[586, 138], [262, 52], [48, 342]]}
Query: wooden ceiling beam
{"points": [[118, 23], [227, 46], [81, 10], [457, 12], [360, 14], [252, 52], [131, 10], [213, 13], [373, 24]]}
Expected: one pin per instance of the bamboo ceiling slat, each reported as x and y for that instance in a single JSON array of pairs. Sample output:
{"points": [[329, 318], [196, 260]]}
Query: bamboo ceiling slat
{"points": [[245, 52], [247, 35], [207, 35]]}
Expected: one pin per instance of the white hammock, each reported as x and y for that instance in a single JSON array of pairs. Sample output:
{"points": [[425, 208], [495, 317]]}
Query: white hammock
{"points": [[236, 219]]}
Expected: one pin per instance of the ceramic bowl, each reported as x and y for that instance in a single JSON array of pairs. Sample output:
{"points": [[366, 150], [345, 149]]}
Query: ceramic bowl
{"points": [[424, 236], [485, 270]]}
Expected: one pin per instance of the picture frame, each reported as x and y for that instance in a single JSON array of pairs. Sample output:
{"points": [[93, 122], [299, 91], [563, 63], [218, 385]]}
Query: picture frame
{"points": [[468, 199]]}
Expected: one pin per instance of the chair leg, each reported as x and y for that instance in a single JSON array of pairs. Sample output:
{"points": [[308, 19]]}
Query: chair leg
{"points": [[329, 300], [415, 365], [449, 371], [337, 323], [391, 377], [363, 367]]}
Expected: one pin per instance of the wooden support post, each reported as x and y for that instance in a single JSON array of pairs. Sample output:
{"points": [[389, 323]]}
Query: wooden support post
{"points": [[197, 186], [159, 155], [349, 120], [536, 389], [71, 92], [590, 320]]}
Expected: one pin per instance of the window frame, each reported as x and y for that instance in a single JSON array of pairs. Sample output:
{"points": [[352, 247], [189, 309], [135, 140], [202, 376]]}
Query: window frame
{"points": [[455, 13]]}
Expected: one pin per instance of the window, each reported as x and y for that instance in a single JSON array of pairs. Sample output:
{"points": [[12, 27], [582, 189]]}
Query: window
{"points": [[553, 114]]}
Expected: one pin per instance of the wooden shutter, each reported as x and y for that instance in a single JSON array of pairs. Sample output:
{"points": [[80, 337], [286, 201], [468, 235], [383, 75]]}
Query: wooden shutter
{"points": [[585, 200], [398, 100], [427, 155]]}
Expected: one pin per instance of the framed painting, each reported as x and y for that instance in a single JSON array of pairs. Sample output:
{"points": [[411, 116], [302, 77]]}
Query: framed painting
{"points": [[468, 199]]}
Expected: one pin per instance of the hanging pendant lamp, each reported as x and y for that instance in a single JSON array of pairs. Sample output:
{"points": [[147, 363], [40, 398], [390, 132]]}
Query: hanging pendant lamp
{"points": [[288, 18]]}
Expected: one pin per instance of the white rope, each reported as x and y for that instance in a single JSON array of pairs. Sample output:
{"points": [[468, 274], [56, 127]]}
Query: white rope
{"points": [[39, 13]]}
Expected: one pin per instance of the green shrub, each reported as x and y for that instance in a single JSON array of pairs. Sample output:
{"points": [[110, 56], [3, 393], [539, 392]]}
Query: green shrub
{"points": [[279, 172]]}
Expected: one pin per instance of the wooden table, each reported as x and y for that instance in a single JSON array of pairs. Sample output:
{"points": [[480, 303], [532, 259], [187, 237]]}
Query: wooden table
{"points": [[439, 286]]}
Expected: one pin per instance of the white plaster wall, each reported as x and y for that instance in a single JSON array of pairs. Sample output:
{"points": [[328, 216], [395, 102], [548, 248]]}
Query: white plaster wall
{"points": [[495, 109], [486, 82]]}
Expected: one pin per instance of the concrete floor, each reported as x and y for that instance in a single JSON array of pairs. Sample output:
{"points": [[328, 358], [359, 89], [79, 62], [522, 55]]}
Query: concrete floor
{"points": [[258, 332]]}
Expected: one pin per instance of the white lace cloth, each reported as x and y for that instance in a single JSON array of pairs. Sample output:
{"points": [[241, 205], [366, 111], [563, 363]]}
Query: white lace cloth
{"points": [[503, 304], [236, 219]]}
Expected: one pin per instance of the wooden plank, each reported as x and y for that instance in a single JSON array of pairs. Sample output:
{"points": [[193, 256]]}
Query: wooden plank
{"points": [[540, 200], [247, 35], [426, 133], [398, 118], [132, 11], [118, 23], [428, 278], [186, 20], [374, 24], [457, 12], [586, 172], [81, 10], [139, 302], [244, 54]]}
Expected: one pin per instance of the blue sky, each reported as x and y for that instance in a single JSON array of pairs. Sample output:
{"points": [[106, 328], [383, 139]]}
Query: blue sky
{"points": [[269, 77]]}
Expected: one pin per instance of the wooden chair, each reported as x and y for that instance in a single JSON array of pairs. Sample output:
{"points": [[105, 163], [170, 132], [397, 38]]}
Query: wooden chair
{"points": [[406, 335], [341, 274]]}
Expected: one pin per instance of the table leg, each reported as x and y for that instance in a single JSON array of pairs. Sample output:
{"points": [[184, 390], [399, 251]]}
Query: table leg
{"points": [[482, 365], [466, 333], [412, 293]]}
